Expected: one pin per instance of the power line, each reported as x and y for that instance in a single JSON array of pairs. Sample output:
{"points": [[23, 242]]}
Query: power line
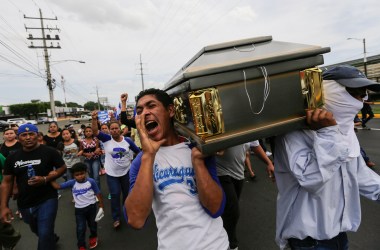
{"points": [[19, 66]]}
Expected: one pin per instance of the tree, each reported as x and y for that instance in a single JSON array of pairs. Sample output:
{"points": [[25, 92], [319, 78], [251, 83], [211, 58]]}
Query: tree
{"points": [[92, 106], [58, 103], [74, 105], [28, 109]]}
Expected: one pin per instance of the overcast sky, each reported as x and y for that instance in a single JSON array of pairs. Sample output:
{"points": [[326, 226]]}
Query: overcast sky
{"points": [[110, 35]]}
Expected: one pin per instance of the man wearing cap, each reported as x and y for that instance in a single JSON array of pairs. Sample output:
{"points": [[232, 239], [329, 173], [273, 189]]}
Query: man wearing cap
{"points": [[320, 172], [37, 199]]}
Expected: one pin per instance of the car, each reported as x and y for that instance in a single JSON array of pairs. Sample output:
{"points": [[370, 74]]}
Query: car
{"points": [[17, 121], [82, 118], [20, 121], [43, 120], [3, 125]]}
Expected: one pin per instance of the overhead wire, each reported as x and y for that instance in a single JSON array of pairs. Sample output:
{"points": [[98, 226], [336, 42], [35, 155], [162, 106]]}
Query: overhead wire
{"points": [[158, 29], [197, 35], [72, 51], [19, 66]]}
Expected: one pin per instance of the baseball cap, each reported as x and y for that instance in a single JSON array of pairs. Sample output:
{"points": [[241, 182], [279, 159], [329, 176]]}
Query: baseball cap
{"points": [[27, 128], [351, 77]]}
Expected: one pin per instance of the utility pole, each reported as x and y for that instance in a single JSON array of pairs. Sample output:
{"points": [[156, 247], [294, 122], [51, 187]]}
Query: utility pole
{"points": [[63, 81], [97, 95], [365, 58], [141, 73], [364, 53], [46, 55]]}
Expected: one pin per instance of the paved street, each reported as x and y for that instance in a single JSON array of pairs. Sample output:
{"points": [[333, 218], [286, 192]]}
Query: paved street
{"points": [[256, 229]]}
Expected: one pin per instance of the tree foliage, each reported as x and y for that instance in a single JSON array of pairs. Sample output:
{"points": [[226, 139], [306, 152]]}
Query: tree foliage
{"points": [[74, 105], [29, 110], [92, 106]]}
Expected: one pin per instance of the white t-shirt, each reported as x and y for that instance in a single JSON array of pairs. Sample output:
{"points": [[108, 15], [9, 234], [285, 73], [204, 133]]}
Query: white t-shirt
{"points": [[181, 220], [118, 155]]}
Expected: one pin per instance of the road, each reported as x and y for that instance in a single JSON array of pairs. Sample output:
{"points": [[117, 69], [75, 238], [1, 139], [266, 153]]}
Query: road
{"points": [[256, 228]]}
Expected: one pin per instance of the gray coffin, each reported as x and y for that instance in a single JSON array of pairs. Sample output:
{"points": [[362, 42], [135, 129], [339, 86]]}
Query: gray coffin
{"points": [[236, 70]]}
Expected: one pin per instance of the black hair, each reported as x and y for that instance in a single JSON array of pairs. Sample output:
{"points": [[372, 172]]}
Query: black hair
{"points": [[7, 129], [161, 96], [53, 122], [78, 167]]}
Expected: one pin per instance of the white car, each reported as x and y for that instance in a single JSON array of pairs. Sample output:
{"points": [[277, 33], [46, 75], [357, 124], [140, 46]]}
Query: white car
{"points": [[20, 121]]}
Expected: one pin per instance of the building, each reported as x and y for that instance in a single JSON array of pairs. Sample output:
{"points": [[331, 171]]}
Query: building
{"points": [[373, 66]]}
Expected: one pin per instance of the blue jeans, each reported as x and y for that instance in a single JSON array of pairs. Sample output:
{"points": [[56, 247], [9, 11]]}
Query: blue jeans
{"points": [[117, 185], [339, 242], [41, 219], [93, 167], [83, 215]]}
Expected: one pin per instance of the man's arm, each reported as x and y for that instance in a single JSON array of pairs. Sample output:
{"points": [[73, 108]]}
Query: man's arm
{"points": [[210, 193], [123, 112], [139, 201], [312, 157], [5, 192], [262, 155], [43, 180], [94, 122]]}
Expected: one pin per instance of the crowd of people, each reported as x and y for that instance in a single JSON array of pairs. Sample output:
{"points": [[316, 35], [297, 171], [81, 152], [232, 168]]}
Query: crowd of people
{"points": [[319, 172]]}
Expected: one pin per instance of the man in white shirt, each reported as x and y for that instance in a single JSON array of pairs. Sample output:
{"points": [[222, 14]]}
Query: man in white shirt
{"points": [[175, 180], [320, 172]]}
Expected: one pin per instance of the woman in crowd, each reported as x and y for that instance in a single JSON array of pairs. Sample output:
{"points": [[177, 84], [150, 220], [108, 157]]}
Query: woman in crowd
{"points": [[119, 154], [10, 144], [53, 137], [69, 148]]}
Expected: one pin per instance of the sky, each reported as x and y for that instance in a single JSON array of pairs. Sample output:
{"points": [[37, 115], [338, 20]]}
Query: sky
{"points": [[116, 38]]}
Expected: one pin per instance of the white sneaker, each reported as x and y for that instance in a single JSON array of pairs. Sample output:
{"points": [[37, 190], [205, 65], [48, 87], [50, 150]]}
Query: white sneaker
{"points": [[268, 153]]}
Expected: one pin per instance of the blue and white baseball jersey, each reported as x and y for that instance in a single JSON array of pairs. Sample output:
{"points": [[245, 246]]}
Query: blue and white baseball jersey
{"points": [[84, 193], [181, 220]]}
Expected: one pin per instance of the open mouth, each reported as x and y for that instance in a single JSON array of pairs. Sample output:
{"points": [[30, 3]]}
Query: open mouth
{"points": [[150, 125]]}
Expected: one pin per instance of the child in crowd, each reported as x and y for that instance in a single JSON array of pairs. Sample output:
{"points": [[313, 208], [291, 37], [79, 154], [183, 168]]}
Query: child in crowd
{"points": [[85, 192], [69, 148], [40, 137], [90, 149]]}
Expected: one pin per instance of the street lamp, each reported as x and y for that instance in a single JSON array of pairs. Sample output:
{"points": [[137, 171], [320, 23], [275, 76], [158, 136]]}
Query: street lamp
{"points": [[364, 52], [61, 61], [50, 86]]}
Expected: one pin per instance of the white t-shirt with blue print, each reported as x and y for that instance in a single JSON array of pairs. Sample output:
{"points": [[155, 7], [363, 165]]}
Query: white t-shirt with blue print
{"points": [[84, 193], [181, 220], [119, 155]]}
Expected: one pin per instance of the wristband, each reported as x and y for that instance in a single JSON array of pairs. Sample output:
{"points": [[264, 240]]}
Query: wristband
{"points": [[45, 179]]}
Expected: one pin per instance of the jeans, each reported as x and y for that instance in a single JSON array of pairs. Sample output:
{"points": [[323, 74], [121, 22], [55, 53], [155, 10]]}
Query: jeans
{"points": [[339, 242], [93, 167], [117, 185], [83, 215], [232, 189], [41, 219]]}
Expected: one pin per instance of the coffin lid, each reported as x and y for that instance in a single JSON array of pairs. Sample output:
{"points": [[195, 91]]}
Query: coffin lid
{"points": [[240, 54]]}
